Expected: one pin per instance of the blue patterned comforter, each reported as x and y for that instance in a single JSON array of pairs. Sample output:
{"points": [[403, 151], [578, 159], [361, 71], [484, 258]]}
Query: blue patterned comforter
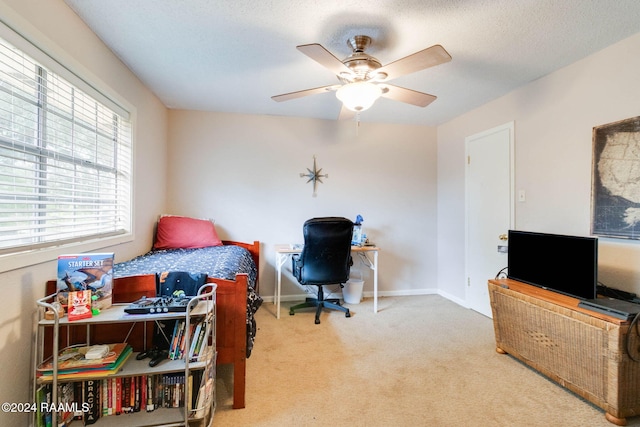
{"points": [[222, 262]]}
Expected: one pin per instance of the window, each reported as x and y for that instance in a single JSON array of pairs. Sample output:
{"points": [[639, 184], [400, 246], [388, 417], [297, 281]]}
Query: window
{"points": [[65, 160]]}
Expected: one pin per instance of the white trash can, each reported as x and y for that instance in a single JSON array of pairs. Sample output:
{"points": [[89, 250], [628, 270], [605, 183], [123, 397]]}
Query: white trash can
{"points": [[352, 291]]}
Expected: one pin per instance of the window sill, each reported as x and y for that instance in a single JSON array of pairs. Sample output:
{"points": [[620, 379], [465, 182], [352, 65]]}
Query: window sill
{"points": [[28, 258]]}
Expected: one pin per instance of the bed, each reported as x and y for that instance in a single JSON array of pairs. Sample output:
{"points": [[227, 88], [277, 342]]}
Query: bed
{"points": [[237, 299], [232, 266]]}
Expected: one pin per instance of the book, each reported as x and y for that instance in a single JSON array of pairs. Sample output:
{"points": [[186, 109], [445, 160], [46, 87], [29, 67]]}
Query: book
{"points": [[194, 340], [199, 340], [65, 403], [91, 397], [150, 393], [135, 401], [90, 271], [194, 385], [111, 407], [43, 400], [143, 392], [199, 409], [78, 400], [104, 401], [183, 341], [202, 343], [175, 339], [126, 396], [118, 395]]}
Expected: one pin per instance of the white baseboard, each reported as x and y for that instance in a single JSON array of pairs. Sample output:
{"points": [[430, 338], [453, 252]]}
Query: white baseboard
{"points": [[455, 299], [369, 294]]}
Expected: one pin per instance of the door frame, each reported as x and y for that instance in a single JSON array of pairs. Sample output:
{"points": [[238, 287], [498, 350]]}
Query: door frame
{"points": [[510, 126]]}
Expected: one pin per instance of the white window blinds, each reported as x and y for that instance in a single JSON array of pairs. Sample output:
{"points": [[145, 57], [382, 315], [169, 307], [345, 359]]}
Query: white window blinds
{"points": [[65, 160]]}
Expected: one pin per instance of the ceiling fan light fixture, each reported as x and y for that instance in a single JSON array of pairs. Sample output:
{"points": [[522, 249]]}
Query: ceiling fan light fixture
{"points": [[358, 96]]}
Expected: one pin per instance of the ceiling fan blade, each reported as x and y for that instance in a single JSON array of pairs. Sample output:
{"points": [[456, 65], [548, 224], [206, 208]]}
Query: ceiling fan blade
{"points": [[325, 58], [301, 93], [408, 96], [346, 114], [429, 57]]}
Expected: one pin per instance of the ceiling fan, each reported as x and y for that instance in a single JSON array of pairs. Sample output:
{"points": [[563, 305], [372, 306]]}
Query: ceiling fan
{"points": [[364, 79]]}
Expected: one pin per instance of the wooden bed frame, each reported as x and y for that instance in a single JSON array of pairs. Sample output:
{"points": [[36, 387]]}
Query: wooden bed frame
{"points": [[231, 312]]}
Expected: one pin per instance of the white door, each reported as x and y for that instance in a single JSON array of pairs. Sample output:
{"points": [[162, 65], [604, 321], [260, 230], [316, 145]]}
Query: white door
{"points": [[489, 209]]}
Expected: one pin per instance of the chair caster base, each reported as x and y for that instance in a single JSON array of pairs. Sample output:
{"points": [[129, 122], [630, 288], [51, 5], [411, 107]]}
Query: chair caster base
{"points": [[319, 304]]}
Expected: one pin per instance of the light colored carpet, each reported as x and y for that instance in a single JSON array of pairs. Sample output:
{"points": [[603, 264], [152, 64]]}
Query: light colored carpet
{"points": [[420, 361]]}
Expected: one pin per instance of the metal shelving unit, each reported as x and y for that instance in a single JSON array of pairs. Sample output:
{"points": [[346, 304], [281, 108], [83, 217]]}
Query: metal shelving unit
{"points": [[206, 361]]}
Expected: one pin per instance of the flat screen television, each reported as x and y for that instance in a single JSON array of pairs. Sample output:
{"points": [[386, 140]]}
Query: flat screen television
{"points": [[565, 264]]}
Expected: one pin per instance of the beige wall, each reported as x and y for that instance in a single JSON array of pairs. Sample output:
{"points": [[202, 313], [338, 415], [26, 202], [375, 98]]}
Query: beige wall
{"points": [[554, 117], [54, 25], [243, 171]]}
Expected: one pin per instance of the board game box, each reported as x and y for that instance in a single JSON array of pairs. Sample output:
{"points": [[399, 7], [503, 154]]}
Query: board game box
{"points": [[90, 271]]}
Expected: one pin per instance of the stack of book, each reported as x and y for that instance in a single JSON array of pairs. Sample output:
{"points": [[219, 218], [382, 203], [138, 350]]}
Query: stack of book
{"points": [[198, 333], [90, 400], [73, 365]]}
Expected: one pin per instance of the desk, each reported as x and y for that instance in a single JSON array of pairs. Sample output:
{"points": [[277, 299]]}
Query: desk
{"points": [[284, 252]]}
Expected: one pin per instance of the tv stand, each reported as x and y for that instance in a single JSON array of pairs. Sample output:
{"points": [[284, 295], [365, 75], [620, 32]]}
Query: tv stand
{"points": [[581, 350]]}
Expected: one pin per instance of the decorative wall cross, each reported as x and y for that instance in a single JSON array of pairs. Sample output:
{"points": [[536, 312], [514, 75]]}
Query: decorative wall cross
{"points": [[314, 176]]}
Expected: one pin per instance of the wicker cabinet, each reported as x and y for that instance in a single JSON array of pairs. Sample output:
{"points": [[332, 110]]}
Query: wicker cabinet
{"points": [[583, 351]]}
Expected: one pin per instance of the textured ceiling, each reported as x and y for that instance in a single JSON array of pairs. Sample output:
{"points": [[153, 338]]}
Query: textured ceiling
{"points": [[233, 55]]}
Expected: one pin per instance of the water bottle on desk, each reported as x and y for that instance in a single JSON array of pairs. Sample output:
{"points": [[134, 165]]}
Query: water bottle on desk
{"points": [[356, 238]]}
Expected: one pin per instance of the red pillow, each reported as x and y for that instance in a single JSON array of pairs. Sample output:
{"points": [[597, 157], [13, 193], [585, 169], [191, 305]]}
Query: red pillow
{"points": [[183, 232]]}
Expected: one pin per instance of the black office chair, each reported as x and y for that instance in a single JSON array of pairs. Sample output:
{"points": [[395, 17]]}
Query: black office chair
{"points": [[325, 260]]}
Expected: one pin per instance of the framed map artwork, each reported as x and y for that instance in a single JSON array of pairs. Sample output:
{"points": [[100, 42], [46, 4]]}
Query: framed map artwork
{"points": [[615, 188]]}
